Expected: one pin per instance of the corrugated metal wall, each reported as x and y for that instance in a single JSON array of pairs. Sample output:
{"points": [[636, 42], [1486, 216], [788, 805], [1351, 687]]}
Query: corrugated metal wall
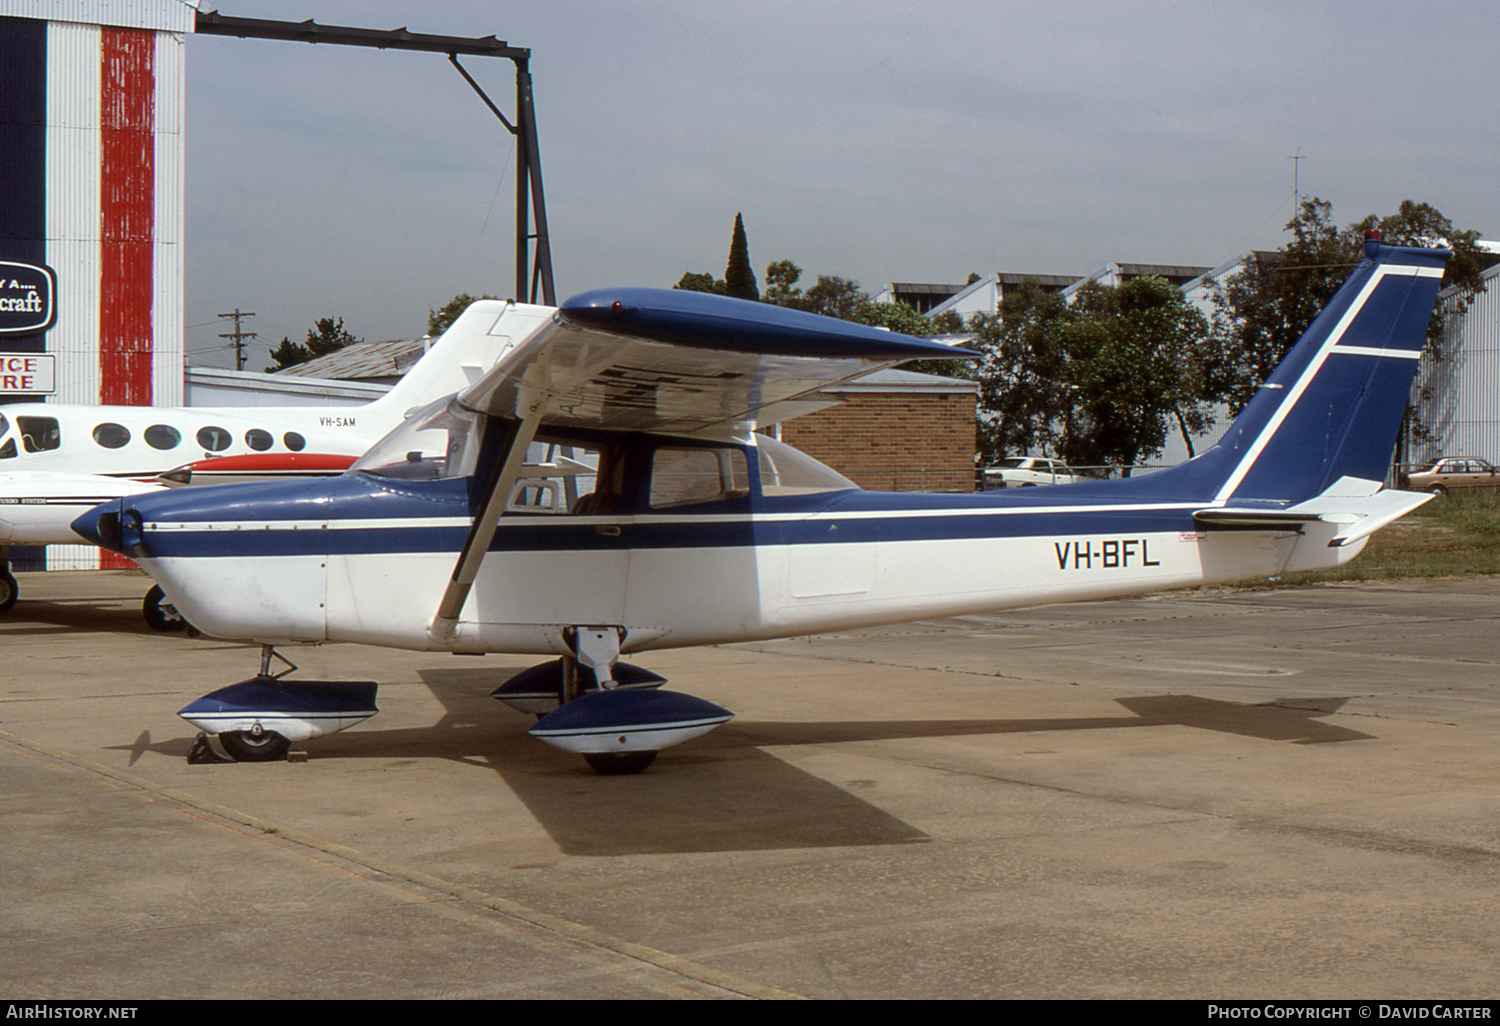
{"points": [[114, 112], [1457, 398], [73, 205]]}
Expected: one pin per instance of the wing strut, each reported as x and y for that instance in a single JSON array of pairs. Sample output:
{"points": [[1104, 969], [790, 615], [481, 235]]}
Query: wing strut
{"points": [[482, 531]]}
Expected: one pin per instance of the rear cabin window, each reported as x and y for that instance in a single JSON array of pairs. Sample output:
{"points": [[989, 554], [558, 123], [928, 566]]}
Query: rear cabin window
{"points": [[112, 436], [293, 441], [683, 477], [788, 471], [39, 434], [214, 439], [162, 436]]}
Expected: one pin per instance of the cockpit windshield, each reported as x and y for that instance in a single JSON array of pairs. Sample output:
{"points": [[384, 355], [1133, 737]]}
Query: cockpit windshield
{"points": [[437, 441]]}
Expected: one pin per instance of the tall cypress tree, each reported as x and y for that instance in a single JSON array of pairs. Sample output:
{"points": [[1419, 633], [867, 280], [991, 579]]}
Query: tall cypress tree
{"points": [[739, 278]]}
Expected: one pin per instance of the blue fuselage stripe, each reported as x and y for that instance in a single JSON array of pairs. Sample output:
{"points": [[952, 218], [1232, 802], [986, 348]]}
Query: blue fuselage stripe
{"points": [[569, 535]]}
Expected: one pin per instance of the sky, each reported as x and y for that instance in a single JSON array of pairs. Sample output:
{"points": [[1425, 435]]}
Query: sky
{"points": [[874, 140]]}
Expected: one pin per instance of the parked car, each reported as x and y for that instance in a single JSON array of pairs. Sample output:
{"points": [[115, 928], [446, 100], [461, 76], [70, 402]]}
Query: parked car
{"points": [[1023, 471], [1452, 474]]}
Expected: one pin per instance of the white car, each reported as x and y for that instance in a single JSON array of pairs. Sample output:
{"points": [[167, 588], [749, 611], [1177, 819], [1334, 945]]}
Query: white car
{"points": [[1021, 471]]}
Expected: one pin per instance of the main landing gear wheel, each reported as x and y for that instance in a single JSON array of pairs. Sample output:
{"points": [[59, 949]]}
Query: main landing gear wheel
{"points": [[255, 745], [619, 764], [9, 590], [160, 614]]}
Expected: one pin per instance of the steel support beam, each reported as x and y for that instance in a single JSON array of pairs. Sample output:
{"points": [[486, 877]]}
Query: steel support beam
{"points": [[533, 280]]}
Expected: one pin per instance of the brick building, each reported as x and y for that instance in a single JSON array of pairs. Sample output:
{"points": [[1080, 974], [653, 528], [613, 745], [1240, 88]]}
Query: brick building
{"points": [[895, 431]]}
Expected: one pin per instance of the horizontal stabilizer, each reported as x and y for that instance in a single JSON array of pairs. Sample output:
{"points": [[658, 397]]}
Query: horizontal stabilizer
{"points": [[1358, 506]]}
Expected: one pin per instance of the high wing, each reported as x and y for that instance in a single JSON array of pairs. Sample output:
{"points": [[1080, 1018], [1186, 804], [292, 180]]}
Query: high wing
{"points": [[660, 360], [667, 360]]}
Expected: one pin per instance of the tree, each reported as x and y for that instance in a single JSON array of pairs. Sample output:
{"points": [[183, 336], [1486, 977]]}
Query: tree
{"points": [[1133, 354], [1262, 309], [700, 282], [1022, 378], [834, 297], [1100, 381], [739, 279], [439, 321], [902, 318], [328, 336], [781, 284]]}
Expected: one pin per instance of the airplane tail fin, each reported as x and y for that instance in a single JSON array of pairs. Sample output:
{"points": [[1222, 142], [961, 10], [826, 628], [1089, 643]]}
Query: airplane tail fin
{"points": [[1332, 410], [459, 356]]}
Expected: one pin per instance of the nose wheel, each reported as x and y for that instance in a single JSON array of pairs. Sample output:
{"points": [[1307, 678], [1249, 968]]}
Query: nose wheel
{"points": [[255, 745], [619, 764], [258, 720]]}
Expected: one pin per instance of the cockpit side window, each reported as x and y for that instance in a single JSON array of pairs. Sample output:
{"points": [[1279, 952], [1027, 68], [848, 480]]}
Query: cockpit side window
{"points": [[39, 434]]}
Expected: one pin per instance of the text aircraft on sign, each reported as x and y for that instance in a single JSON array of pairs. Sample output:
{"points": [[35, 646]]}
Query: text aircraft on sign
{"points": [[57, 461], [601, 492]]}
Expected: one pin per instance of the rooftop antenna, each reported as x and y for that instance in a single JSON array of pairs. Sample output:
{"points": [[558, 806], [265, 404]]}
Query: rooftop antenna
{"points": [[1296, 159]]}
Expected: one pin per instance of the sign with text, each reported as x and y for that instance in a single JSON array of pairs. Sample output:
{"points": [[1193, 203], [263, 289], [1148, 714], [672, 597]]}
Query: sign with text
{"points": [[28, 372], [28, 298]]}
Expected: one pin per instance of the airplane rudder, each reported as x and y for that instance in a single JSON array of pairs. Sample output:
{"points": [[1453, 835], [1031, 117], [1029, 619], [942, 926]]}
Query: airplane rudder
{"points": [[1340, 394]]}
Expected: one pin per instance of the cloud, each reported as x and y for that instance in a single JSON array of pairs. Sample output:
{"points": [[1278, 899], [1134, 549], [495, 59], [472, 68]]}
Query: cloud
{"points": [[875, 141]]}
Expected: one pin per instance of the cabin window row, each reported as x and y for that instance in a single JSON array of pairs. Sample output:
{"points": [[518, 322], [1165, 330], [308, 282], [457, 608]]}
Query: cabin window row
{"points": [[40, 434]]}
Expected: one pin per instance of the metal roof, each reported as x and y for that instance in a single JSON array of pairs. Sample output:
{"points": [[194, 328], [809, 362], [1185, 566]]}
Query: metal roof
{"points": [[362, 361], [161, 15]]}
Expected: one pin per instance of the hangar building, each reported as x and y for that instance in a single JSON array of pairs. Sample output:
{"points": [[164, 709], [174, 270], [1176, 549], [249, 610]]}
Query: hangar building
{"points": [[91, 213]]}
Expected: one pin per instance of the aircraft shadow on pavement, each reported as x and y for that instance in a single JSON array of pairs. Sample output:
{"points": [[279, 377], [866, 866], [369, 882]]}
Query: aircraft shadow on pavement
{"points": [[46, 616], [727, 792]]}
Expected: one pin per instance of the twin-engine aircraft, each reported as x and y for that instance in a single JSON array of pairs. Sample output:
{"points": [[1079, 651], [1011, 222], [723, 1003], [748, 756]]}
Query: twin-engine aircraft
{"points": [[602, 492], [58, 461]]}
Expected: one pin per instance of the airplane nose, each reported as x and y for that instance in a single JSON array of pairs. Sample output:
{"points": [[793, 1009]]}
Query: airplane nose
{"points": [[101, 525]]}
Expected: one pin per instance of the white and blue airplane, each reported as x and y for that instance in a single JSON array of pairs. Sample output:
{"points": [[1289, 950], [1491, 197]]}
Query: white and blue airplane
{"points": [[60, 460], [602, 491]]}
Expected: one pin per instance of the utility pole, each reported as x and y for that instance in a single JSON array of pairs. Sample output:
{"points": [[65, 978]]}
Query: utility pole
{"points": [[238, 336]]}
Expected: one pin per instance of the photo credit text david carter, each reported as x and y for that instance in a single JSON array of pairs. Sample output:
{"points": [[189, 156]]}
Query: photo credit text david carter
{"points": [[1355, 1010]]}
